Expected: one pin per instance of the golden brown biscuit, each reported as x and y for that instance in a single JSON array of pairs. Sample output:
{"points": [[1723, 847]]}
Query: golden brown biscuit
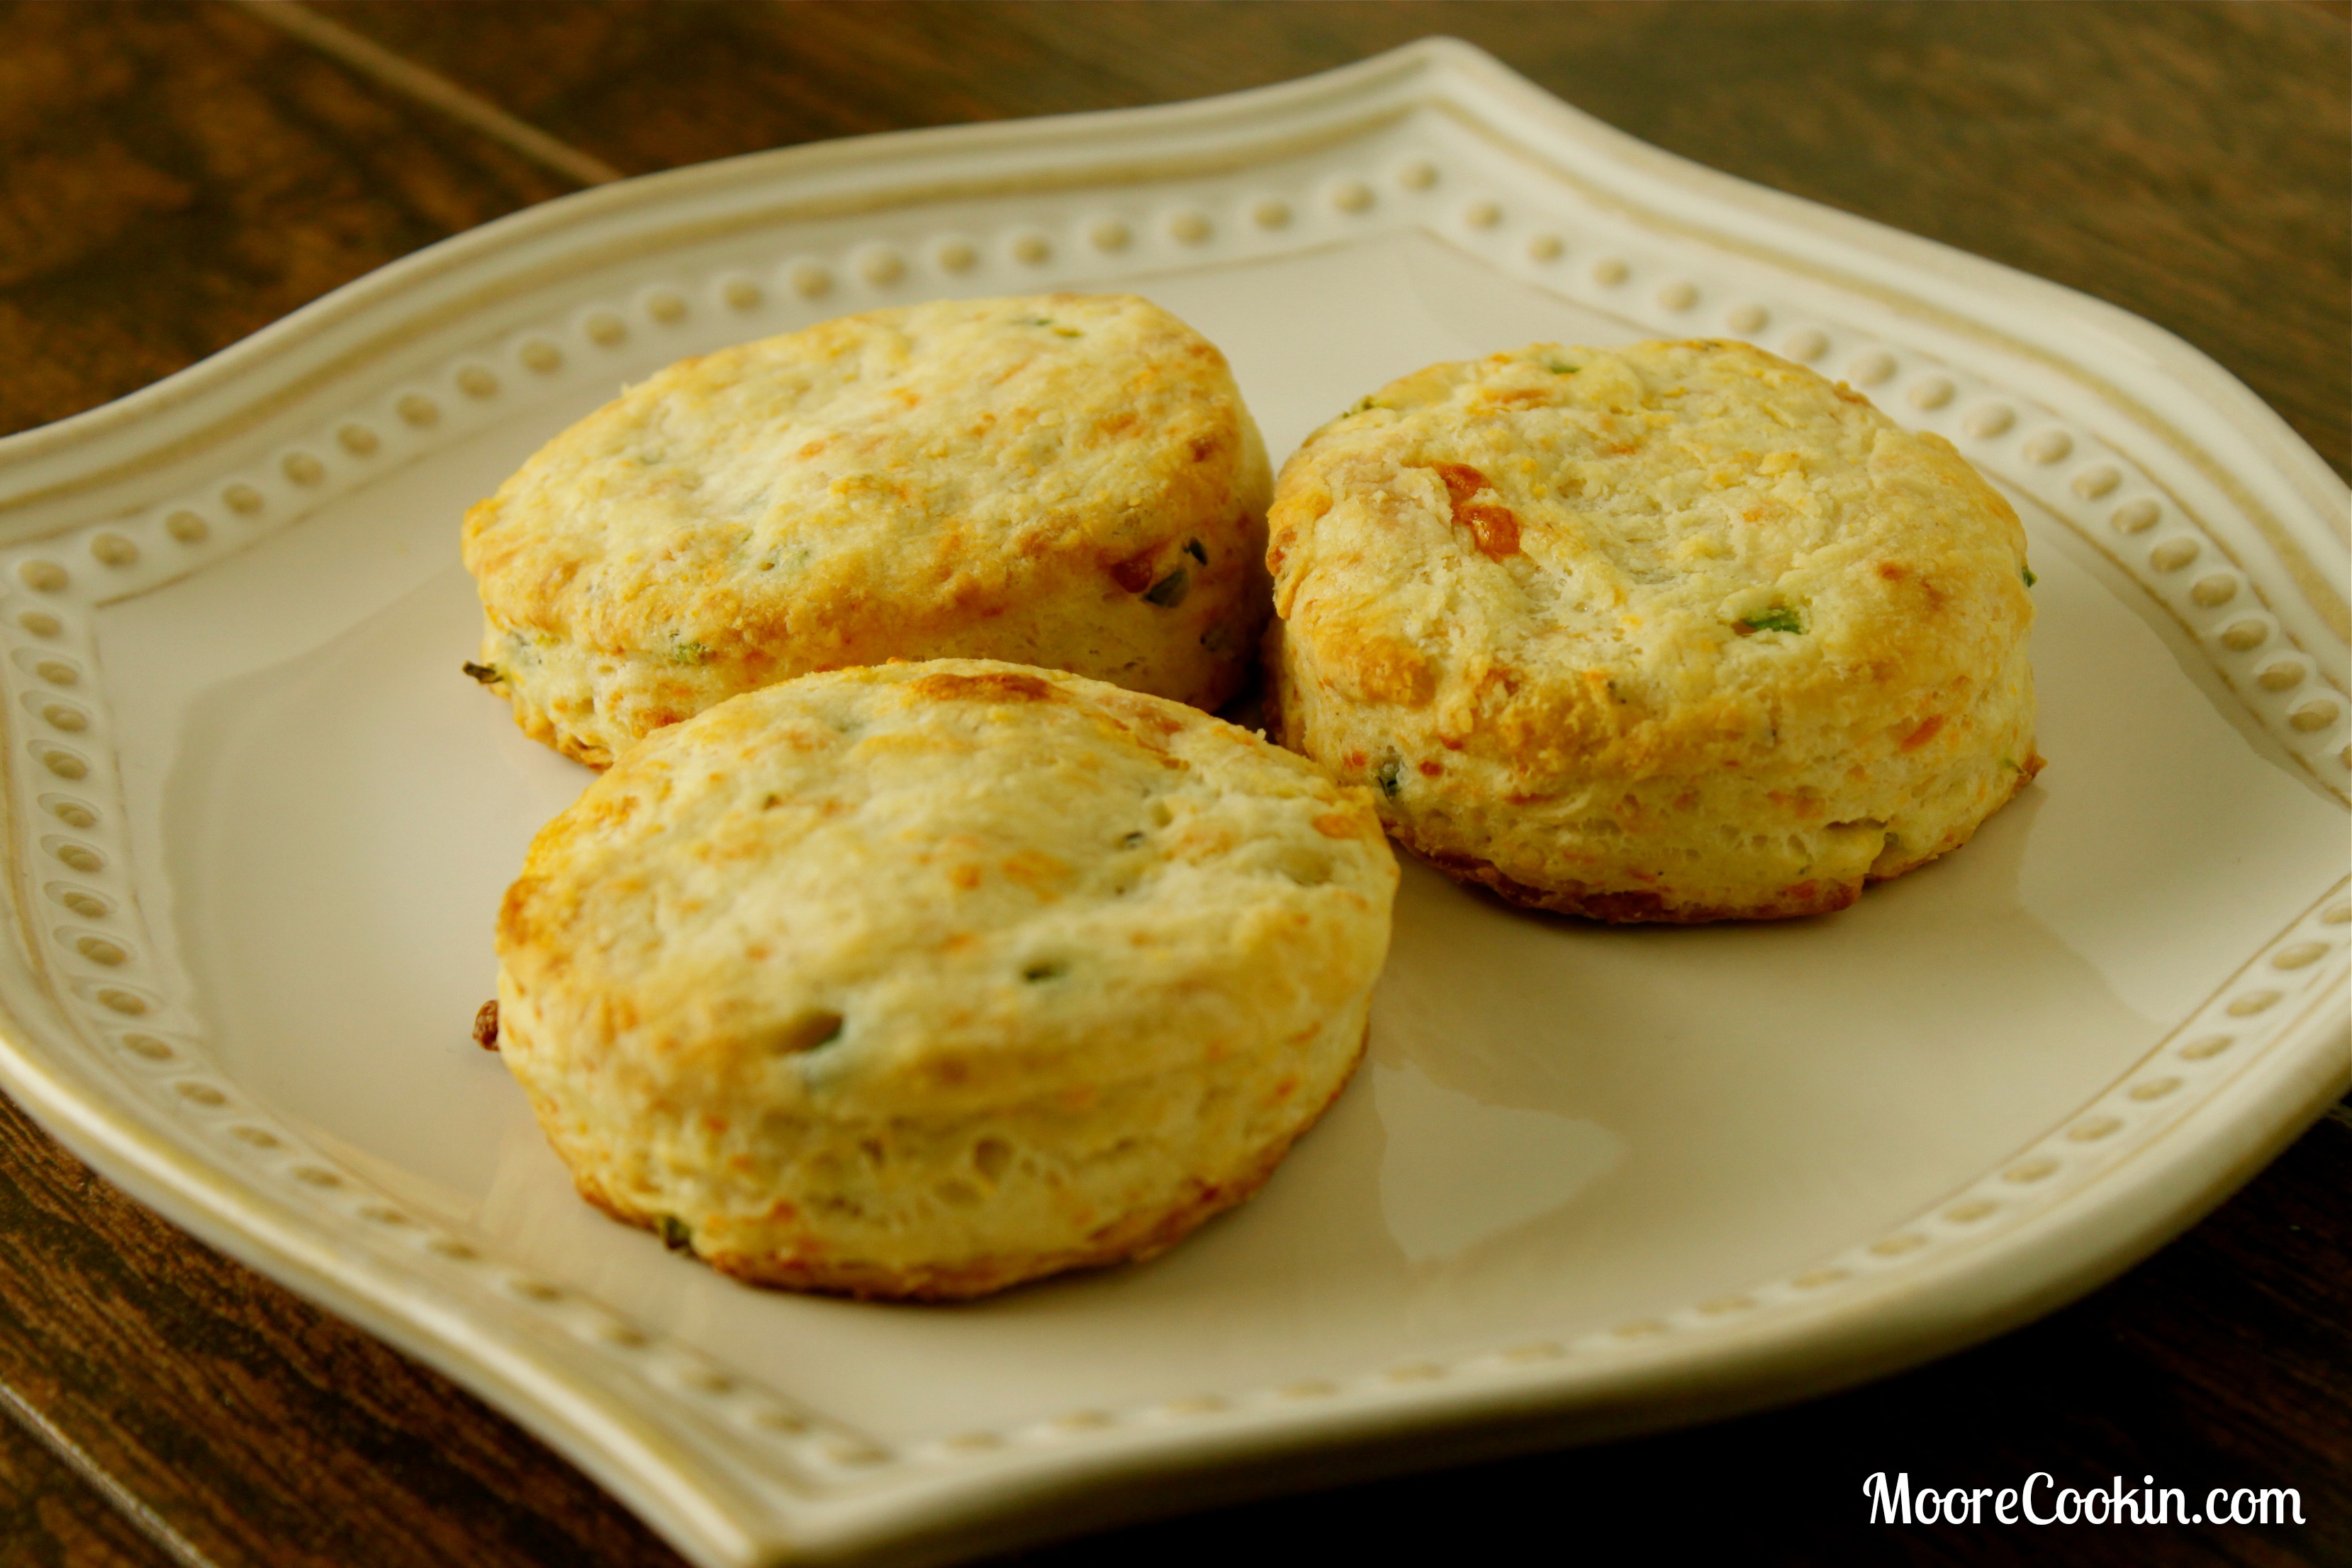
{"points": [[1069, 480], [1675, 632], [924, 979]]}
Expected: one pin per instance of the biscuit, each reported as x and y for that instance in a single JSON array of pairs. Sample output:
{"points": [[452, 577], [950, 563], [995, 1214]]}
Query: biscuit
{"points": [[1069, 480], [923, 980], [1675, 632]]}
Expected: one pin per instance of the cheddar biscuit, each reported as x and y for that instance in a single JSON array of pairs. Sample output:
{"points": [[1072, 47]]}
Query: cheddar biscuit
{"points": [[1067, 481], [1675, 632], [923, 980]]}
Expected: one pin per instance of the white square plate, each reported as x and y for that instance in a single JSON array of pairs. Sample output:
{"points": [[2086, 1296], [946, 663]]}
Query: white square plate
{"points": [[1591, 1179]]}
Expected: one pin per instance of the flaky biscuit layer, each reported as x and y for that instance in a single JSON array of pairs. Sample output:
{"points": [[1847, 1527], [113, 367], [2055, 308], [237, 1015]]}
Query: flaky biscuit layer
{"points": [[1678, 632], [925, 978], [1067, 481]]}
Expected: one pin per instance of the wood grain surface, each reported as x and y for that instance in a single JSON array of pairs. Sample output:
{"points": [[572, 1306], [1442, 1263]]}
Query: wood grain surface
{"points": [[176, 175]]}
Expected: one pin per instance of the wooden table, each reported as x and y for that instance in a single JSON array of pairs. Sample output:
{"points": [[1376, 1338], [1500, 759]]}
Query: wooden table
{"points": [[175, 175]]}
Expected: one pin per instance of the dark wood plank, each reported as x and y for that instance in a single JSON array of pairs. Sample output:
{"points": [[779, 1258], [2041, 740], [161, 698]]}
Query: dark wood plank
{"points": [[257, 1427], [181, 176], [50, 1518], [175, 177], [2189, 162]]}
